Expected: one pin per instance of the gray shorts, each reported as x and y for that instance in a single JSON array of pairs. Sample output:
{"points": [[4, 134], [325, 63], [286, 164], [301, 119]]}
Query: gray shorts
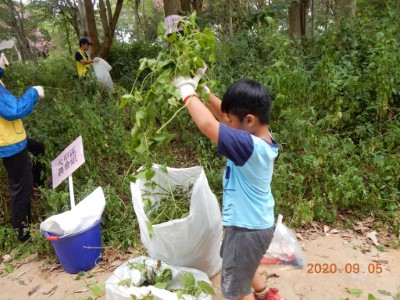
{"points": [[241, 252]]}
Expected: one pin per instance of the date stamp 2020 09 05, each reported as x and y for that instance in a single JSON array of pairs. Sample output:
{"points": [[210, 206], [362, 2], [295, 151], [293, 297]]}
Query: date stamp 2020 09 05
{"points": [[348, 268]]}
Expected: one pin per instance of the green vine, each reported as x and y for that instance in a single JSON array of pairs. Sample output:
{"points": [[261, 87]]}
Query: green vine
{"points": [[156, 100]]}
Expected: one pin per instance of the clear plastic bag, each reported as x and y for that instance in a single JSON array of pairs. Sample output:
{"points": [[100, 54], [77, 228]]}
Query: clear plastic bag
{"points": [[284, 248]]}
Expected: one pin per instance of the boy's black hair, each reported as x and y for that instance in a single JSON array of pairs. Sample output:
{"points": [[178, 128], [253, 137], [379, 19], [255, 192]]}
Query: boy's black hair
{"points": [[247, 96]]}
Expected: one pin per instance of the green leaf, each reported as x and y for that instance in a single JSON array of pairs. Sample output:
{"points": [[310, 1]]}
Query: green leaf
{"points": [[386, 293], [188, 281], [140, 115], [165, 276], [371, 297], [355, 292], [161, 285], [125, 282], [163, 168], [269, 20], [150, 228], [149, 174], [138, 97], [142, 148], [79, 275], [143, 64], [163, 136], [206, 287], [9, 268], [380, 35], [125, 99], [179, 294], [172, 101], [98, 290]]}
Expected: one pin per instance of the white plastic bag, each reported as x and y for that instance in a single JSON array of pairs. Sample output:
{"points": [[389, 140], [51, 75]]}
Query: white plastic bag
{"points": [[193, 241], [102, 70], [82, 216], [284, 247], [117, 290]]}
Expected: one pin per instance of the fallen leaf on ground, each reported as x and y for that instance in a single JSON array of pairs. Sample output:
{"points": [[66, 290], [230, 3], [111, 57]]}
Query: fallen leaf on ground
{"points": [[32, 291], [372, 236], [7, 257], [355, 292], [386, 293], [360, 227], [51, 291], [380, 261]]}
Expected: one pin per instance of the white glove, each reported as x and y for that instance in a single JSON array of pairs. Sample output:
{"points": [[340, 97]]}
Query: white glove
{"points": [[206, 89], [202, 71], [186, 86], [3, 61], [96, 59], [40, 91]]}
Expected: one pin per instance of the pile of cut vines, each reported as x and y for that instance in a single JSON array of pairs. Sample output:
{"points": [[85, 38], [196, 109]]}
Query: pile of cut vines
{"points": [[155, 100]]}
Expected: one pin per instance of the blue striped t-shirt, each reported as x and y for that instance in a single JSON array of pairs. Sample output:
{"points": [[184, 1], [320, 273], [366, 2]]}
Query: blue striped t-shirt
{"points": [[247, 197]]}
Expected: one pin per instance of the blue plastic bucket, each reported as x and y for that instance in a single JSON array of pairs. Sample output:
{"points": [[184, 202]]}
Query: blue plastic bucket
{"points": [[77, 252]]}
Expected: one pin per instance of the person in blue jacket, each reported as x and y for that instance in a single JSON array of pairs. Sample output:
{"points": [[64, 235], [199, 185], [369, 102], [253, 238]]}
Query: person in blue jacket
{"points": [[13, 151]]}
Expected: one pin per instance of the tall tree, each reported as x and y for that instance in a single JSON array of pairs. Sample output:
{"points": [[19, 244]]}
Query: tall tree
{"points": [[108, 22], [16, 21], [172, 7], [198, 6], [298, 12], [137, 19]]}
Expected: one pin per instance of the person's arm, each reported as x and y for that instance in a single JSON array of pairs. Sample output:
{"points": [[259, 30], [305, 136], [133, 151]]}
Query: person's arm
{"points": [[12, 108], [79, 57], [203, 118], [86, 61], [214, 105]]}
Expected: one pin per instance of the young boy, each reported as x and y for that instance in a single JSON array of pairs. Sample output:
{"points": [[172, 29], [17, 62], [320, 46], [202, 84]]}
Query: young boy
{"points": [[242, 136]]}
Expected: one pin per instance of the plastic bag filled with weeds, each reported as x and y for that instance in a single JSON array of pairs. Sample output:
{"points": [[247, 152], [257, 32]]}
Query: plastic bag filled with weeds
{"points": [[171, 204], [146, 278], [179, 218]]}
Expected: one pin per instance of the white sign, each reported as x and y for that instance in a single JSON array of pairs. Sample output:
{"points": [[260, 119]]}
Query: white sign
{"points": [[67, 162]]}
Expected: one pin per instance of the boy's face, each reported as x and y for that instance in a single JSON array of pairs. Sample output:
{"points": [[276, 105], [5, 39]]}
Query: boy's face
{"points": [[85, 47]]}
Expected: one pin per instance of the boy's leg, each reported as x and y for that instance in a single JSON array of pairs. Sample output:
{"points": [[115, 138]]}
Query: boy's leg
{"points": [[241, 252], [20, 179]]}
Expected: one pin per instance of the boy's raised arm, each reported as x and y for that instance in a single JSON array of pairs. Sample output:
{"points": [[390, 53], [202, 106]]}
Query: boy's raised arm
{"points": [[202, 117], [214, 105]]}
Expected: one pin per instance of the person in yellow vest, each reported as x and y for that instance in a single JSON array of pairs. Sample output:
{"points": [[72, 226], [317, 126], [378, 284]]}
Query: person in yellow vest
{"points": [[14, 153], [83, 60]]}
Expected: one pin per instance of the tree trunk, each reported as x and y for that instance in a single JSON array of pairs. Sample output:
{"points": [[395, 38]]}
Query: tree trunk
{"points": [[298, 19], [17, 23], [81, 19], [172, 7], [198, 6], [186, 7], [91, 25], [109, 23], [137, 19]]}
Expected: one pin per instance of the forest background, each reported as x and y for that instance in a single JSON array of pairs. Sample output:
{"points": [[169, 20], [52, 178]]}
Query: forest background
{"points": [[332, 67]]}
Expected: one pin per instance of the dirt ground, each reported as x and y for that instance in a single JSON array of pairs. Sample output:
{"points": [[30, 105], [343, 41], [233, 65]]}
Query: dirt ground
{"points": [[339, 263]]}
